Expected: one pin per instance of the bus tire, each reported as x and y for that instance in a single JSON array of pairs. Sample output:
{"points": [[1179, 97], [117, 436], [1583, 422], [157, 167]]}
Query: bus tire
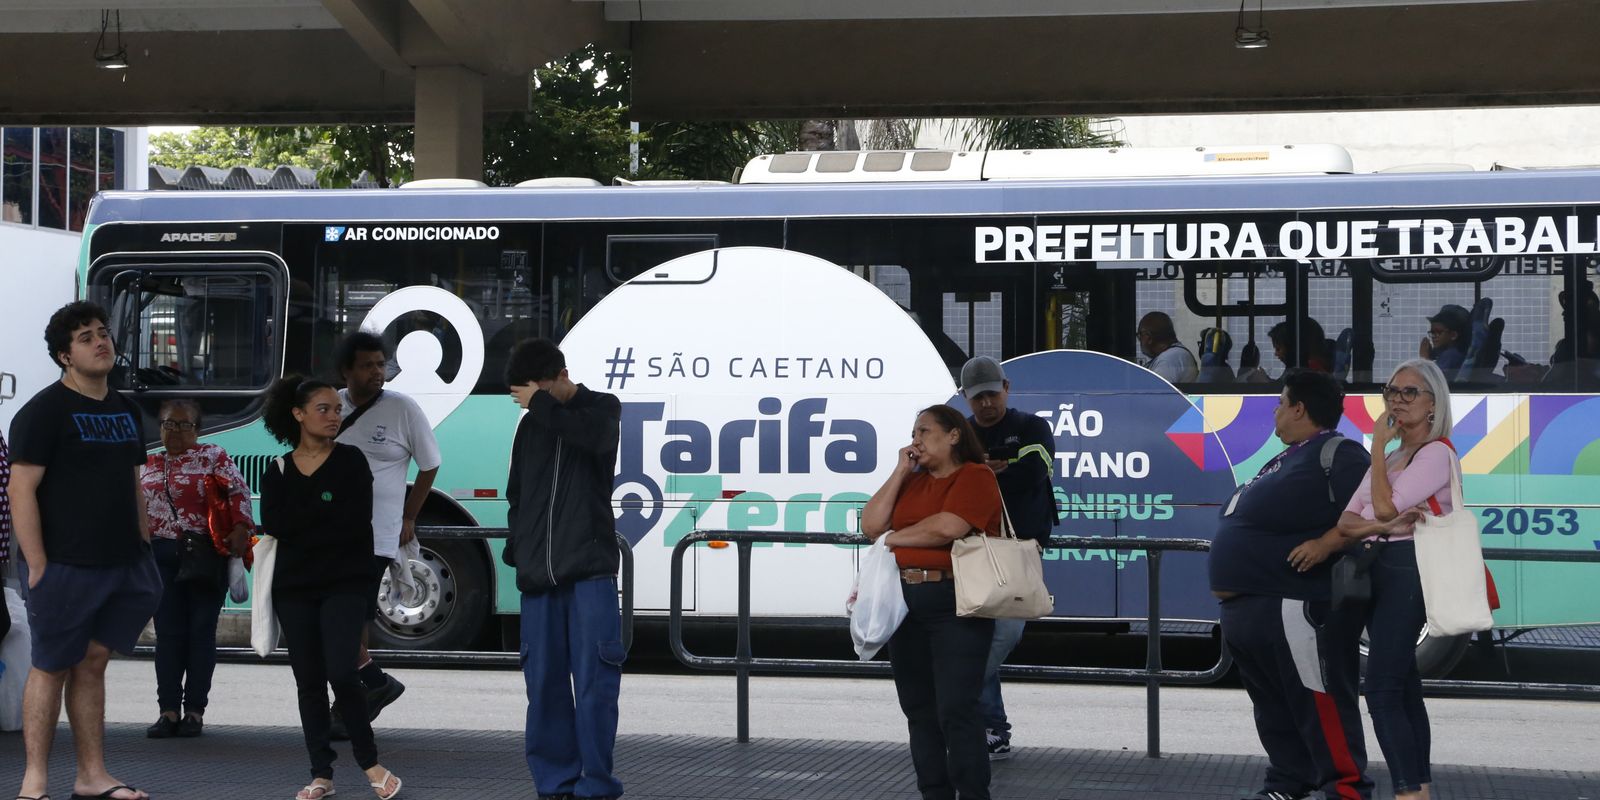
{"points": [[449, 609], [1436, 655]]}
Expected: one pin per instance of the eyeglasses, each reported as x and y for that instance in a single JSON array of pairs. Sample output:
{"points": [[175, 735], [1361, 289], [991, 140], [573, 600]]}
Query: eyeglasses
{"points": [[178, 425], [1406, 393]]}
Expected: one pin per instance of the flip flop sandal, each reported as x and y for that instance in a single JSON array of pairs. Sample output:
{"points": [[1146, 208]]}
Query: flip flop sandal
{"points": [[311, 789], [105, 795], [377, 786], [33, 797]]}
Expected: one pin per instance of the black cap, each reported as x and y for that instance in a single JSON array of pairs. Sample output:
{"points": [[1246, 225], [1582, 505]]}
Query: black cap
{"points": [[1453, 317]]}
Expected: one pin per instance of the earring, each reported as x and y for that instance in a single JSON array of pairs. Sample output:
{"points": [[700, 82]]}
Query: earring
{"points": [[1430, 417]]}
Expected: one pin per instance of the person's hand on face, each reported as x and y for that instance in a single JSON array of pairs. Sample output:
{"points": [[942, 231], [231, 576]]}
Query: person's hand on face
{"points": [[522, 393], [1384, 431], [907, 461]]}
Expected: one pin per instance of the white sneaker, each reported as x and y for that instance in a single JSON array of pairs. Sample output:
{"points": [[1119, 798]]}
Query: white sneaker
{"points": [[999, 746]]}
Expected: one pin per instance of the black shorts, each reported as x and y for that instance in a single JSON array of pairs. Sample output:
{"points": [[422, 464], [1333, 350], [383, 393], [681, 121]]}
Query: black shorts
{"points": [[380, 565]]}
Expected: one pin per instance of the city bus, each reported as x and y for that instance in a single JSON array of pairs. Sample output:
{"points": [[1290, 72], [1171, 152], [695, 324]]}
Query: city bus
{"points": [[772, 339]]}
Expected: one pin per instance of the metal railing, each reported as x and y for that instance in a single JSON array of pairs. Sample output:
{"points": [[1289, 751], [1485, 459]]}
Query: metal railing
{"points": [[743, 663], [460, 657], [1523, 689], [624, 576]]}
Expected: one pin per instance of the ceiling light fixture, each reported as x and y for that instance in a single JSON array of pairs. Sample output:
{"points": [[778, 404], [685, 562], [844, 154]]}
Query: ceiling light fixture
{"points": [[1248, 38], [104, 56]]}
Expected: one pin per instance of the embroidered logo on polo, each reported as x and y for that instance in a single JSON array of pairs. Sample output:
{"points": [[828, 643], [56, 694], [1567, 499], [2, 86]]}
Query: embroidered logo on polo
{"points": [[106, 428], [327, 497]]}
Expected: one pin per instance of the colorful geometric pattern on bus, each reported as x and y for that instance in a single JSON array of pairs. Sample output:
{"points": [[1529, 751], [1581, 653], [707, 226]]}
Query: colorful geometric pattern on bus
{"points": [[1495, 434], [1192, 436]]}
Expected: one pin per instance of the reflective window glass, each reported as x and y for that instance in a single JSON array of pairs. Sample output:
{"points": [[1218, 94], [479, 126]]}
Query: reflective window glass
{"points": [[53, 178], [82, 182], [112, 142], [16, 186]]}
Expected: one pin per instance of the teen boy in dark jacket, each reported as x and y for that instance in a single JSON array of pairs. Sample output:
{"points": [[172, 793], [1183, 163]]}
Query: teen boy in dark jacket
{"points": [[564, 549]]}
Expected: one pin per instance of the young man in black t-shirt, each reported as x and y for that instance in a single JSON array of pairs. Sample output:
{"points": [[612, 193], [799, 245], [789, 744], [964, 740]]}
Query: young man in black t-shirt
{"points": [[1296, 655], [84, 546], [1022, 452]]}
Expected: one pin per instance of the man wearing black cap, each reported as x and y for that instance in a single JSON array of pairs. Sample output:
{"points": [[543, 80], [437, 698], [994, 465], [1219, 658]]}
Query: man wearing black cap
{"points": [[1022, 453], [1449, 334]]}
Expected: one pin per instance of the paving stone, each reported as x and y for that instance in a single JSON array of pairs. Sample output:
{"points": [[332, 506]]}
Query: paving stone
{"points": [[240, 762]]}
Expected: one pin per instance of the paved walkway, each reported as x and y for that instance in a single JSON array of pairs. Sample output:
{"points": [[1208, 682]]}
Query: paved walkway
{"points": [[269, 762]]}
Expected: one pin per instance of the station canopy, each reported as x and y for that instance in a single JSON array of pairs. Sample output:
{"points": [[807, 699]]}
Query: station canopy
{"points": [[306, 61]]}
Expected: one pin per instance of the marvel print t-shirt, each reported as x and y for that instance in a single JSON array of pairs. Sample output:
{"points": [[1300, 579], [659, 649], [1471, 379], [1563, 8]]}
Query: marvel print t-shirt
{"points": [[91, 451]]}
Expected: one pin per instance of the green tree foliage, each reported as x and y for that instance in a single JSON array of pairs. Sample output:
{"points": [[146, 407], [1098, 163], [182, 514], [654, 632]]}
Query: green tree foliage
{"points": [[234, 147], [577, 126], [1036, 133]]}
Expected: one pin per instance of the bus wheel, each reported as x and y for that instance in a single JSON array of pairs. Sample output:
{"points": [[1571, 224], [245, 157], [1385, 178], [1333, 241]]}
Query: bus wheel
{"points": [[448, 606], [1436, 655]]}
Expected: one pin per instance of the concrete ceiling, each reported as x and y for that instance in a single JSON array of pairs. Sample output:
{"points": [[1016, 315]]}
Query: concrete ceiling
{"points": [[302, 61]]}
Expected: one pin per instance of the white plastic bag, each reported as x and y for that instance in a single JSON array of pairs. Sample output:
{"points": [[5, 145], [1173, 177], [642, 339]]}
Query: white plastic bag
{"points": [[1450, 563], [876, 606], [263, 620], [400, 575], [16, 651], [238, 580]]}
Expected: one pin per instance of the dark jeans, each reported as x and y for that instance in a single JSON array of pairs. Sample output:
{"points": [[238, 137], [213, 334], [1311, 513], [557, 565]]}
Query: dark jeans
{"points": [[186, 635], [1007, 632], [572, 664], [1300, 665], [1394, 686], [323, 634], [938, 661]]}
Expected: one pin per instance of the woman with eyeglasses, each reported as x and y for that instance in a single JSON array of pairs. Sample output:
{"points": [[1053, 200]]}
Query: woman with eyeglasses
{"points": [[317, 501], [1399, 488], [190, 489]]}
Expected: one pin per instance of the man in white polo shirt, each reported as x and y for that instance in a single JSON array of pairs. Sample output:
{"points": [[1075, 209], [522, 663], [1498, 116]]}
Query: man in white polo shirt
{"points": [[391, 429], [1159, 343]]}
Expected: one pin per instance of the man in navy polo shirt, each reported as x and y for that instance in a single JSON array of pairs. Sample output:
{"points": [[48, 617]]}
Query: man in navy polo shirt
{"points": [[1021, 450], [1297, 656]]}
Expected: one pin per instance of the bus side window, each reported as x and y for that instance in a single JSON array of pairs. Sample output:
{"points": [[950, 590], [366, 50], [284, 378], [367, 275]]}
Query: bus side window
{"points": [[1503, 332]]}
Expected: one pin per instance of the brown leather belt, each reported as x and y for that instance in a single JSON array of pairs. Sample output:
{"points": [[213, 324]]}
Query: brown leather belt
{"points": [[915, 576]]}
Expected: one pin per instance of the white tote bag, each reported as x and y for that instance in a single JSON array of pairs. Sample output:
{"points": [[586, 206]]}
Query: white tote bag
{"points": [[16, 652], [238, 580], [876, 606], [1000, 577], [1450, 561], [263, 620]]}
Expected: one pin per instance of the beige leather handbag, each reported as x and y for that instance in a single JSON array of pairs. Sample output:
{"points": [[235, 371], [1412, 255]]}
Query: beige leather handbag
{"points": [[1000, 577]]}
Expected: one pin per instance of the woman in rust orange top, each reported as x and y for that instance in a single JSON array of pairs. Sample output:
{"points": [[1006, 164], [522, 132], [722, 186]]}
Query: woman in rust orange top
{"points": [[939, 492]]}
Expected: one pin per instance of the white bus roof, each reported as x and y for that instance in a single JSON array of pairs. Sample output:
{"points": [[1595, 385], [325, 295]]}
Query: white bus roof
{"points": [[898, 166]]}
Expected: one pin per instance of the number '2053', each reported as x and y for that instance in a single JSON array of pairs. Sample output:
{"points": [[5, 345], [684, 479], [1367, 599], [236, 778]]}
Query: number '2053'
{"points": [[1538, 521]]}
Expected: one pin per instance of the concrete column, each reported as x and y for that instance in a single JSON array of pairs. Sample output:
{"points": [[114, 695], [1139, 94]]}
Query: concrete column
{"points": [[449, 123]]}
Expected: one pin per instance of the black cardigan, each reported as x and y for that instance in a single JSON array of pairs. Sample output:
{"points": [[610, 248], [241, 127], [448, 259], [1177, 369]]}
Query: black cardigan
{"points": [[323, 522]]}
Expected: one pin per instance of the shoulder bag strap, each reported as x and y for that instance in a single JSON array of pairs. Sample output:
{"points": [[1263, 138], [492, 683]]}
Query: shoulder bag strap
{"points": [[1330, 449], [355, 415]]}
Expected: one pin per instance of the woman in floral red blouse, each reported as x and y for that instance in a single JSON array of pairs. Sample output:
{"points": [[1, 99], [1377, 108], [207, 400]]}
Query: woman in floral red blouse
{"points": [[189, 487]]}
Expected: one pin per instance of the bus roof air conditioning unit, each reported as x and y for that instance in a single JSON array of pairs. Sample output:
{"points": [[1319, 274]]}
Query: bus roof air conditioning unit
{"points": [[864, 166], [559, 183], [444, 183], [1167, 162]]}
